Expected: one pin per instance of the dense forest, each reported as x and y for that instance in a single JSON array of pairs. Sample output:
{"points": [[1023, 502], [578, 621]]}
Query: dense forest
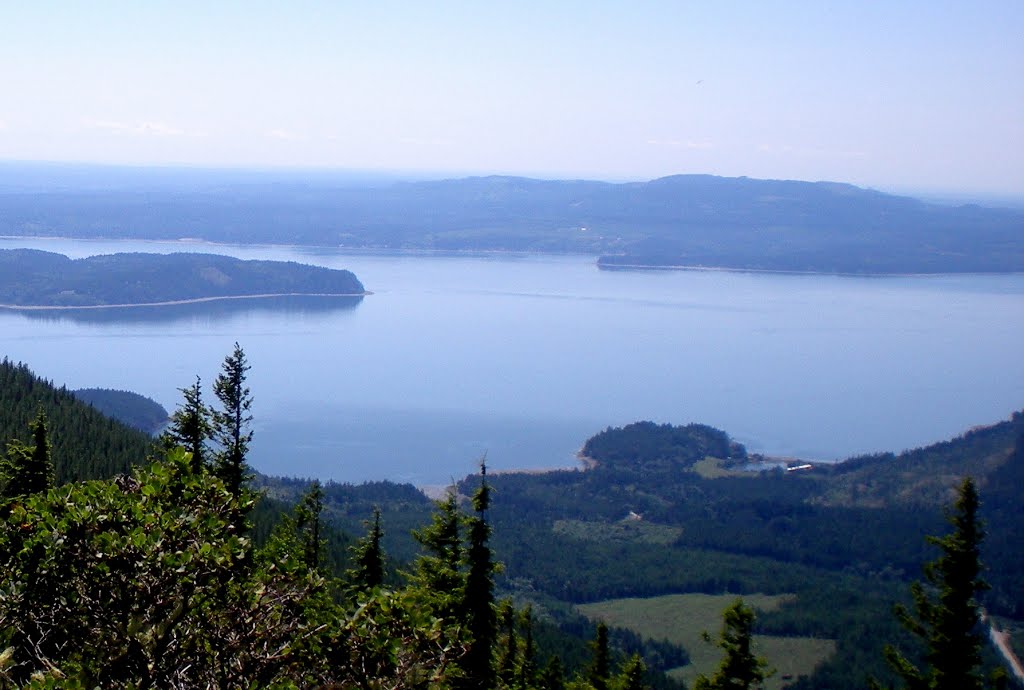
{"points": [[688, 220], [185, 568], [30, 278], [85, 443]]}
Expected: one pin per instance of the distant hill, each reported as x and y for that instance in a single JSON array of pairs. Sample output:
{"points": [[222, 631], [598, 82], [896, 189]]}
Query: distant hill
{"points": [[31, 278], [683, 220], [137, 411]]}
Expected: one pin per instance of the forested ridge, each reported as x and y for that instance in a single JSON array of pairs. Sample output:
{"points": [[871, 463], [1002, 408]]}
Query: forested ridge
{"points": [[85, 443], [137, 411], [178, 563], [689, 220]]}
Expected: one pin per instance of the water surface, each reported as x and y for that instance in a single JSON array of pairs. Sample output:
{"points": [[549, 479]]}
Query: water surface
{"points": [[525, 357]]}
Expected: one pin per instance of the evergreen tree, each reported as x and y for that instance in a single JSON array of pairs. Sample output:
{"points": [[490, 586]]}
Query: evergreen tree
{"points": [[946, 613], [438, 571], [478, 601], [600, 666], [740, 668], [231, 421], [190, 425], [510, 653], [553, 675], [368, 557], [28, 469], [633, 674], [528, 667], [308, 525]]}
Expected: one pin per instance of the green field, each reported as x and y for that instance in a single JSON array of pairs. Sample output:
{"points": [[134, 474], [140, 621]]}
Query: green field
{"points": [[682, 618]]}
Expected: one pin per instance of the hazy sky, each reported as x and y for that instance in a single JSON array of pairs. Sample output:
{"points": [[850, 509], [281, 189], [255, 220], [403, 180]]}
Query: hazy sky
{"points": [[888, 93]]}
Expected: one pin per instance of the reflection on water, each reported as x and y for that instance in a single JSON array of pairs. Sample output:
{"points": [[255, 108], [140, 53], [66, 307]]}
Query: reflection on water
{"points": [[213, 309]]}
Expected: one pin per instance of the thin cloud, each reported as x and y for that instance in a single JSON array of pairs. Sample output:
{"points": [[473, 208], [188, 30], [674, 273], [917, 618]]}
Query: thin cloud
{"points": [[419, 141], [678, 144], [787, 150], [156, 129], [283, 135]]}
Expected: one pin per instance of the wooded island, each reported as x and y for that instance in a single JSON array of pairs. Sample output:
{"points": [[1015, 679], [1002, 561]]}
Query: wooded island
{"points": [[31, 278]]}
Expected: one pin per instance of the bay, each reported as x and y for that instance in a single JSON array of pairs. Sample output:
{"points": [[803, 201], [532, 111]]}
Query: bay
{"points": [[524, 357]]}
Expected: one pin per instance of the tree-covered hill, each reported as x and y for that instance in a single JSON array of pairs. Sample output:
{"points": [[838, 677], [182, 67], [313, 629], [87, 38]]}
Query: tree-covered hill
{"points": [[678, 220], [86, 443], [137, 411], [648, 518], [650, 447], [33, 278]]}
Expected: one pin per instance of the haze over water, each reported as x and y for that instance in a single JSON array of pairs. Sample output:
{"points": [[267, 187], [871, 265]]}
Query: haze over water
{"points": [[525, 357]]}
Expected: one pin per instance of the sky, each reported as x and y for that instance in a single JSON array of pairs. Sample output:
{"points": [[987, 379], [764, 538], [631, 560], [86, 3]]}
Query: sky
{"points": [[904, 95]]}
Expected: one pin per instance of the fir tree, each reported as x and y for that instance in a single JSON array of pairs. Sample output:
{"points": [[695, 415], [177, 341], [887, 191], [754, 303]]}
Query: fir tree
{"points": [[633, 674], [190, 425], [553, 675], [368, 557], [478, 601], [308, 524], [946, 613], [600, 666], [510, 653], [740, 668], [231, 421], [528, 667], [29, 469], [439, 570]]}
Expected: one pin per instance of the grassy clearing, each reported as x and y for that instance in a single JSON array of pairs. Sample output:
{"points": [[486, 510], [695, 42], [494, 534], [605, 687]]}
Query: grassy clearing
{"points": [[682, 618], [713, 468]]}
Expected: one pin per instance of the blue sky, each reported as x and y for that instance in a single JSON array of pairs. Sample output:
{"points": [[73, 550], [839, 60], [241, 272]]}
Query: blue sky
{"points": [[896, 95]]}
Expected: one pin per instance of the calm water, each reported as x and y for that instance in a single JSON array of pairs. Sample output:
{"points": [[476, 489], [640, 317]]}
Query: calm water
{"points": [[524, 358]]}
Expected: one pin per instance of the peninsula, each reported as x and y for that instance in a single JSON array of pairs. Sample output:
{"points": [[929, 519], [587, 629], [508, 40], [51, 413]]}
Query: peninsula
{"points": [[32, 279]]}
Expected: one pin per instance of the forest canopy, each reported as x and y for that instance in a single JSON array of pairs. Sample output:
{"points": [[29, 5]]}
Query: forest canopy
{"points": [[33, 278]]}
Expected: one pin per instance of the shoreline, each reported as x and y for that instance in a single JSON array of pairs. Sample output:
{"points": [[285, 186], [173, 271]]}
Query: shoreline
{"points": [[793, 272], [170, 303], [428, 252]]}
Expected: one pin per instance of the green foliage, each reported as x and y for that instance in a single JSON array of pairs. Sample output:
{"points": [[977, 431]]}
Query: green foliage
{"points": [[368, 557], [478, 598], [190, 425], [230, 423], [633, 674], [654, 447], [309, 527], [600, 665], [946, 614], [104, 562], [27, 469], [439, 571], [740, 669], [150, 570]]}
